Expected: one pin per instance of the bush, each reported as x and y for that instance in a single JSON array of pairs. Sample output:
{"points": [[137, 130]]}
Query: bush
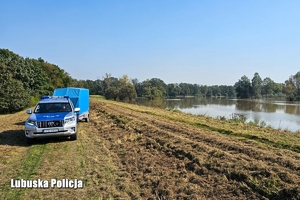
{"points": [[34, 100], [13, 97]]}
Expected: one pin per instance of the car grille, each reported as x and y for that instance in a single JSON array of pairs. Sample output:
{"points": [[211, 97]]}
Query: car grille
{"points": [[49, 124]]}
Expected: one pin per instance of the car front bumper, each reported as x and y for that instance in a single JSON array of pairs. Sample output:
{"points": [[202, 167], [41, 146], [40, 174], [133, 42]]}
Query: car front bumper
{"points": [[35, 132]]}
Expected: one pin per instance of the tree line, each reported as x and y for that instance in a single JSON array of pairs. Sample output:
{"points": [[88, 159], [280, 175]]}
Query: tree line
{"points": [[156, 88], [259, 88], [243, 88], [24, 80]]}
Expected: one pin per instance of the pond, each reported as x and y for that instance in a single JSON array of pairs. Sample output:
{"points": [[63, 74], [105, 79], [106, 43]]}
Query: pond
{"points": [[279, 114]]}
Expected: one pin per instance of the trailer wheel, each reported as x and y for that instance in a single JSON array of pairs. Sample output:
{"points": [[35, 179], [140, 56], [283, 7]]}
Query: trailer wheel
{"points": [[87, 119]]}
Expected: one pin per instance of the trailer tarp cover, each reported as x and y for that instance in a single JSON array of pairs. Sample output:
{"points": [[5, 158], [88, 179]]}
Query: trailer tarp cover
{"points": [[78, 96]]}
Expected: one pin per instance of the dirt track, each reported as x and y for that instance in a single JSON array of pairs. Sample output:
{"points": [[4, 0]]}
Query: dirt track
{"points": [[125, 153]]}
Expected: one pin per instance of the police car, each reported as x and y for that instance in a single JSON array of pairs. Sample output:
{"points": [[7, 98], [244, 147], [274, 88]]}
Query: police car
{"points": [[52, 117]]}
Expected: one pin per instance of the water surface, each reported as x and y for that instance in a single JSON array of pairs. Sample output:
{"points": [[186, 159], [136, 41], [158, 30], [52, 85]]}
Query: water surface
{"points": [[279, 114]]}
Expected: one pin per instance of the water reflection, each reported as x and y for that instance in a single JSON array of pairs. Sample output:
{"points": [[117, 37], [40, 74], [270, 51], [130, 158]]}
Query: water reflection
{"points": [[256, 105], [276, 113]]}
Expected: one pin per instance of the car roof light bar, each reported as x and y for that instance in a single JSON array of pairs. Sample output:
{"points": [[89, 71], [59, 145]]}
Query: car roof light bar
{"points": [[57, 97], [45, 97]]}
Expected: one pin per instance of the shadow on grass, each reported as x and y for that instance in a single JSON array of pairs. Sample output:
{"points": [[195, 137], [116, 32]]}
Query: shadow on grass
{"points": [[17, 138], [13, 138], [50, 140], [22, 123]]}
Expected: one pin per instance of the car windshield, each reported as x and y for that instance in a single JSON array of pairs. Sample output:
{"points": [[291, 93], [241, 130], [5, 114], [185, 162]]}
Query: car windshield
{"points": [[52, 107]]}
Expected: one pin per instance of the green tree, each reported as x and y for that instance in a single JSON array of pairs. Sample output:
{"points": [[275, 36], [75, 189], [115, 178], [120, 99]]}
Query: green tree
{"points": [[39, 83], [296, 81], [185, 89], [256, 85], [231, 91], [127, 90], [153, 88], [279, 89], [26, 79], [195, 90], [204, 89], [215, 90], [268, 87], [172, 92], [107, 82], [112, 93], [138, 87], [243, 87], [122, 88], [146, 91], [290, 89], [160, 86], [13, 96]]}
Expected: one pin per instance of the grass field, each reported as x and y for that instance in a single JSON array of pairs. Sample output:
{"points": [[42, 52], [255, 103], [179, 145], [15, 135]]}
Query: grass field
{"points": [[134, 152]]}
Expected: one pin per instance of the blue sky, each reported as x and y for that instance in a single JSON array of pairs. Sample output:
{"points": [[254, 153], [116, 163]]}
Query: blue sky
{"points": [[194, 41]]}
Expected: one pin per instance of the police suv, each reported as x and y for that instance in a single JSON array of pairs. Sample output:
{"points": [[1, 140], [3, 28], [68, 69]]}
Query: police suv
{"points": [[52, 117]]}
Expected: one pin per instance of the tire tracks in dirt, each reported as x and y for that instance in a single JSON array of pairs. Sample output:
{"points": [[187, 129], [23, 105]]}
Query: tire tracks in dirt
{"points": [[219, 142], [209, 153], [234, 146], [151, 156]]}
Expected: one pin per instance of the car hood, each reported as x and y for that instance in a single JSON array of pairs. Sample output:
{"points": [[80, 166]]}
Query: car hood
{"points": [[49, 116]]}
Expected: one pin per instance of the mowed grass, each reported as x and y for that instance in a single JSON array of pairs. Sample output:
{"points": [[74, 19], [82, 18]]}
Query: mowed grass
{"points": [[85, 159], [237, 151], [277, 139], [92, 159]]}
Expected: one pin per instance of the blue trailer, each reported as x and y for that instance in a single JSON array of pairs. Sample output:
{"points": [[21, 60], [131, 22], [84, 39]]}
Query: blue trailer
{"points": [[79, 98]]}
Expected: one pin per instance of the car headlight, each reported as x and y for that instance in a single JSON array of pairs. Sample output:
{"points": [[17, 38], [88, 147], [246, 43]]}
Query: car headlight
{"points": [[71, 119], [31, 122]]}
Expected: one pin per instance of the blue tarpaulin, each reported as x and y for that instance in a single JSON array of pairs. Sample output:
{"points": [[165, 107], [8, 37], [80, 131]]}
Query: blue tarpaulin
{"points": [[78, 96]]}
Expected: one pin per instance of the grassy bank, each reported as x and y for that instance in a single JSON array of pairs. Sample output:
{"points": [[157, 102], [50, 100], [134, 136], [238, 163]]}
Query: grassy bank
{"points": [[134, 152], [261, 135]]}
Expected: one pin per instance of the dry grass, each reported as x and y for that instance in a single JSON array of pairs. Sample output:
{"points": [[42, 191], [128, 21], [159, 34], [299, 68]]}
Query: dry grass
{"points": [[135, 152]]}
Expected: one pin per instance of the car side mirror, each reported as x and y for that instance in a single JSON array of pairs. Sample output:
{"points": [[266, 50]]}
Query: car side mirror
{"points": [[28, 111], [77, 109]]}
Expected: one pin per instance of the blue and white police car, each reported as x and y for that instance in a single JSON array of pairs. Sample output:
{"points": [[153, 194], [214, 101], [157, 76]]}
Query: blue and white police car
{"points": [[52, 117]]}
